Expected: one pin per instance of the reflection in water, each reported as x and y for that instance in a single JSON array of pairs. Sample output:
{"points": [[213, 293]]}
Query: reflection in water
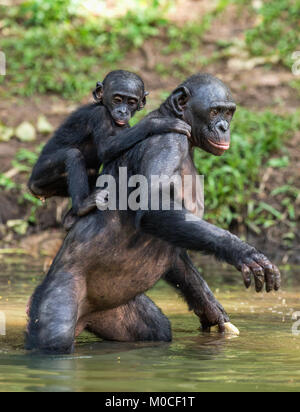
{"points": [[264, 357]]}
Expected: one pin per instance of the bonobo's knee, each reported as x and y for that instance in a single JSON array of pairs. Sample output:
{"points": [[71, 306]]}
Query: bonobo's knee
{"points": [[74, 155], [34, 187]]}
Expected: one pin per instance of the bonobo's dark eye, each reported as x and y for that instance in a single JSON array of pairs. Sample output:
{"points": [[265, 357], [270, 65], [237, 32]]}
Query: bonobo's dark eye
{"points": [[214, 113], [229, 113], [117, 100], [132, 102]]}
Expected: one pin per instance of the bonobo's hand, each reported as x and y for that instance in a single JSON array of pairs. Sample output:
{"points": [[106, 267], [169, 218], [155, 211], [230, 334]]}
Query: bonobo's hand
{"points": [[212, 314], [263, 271], [168, 125], [69, 220]]}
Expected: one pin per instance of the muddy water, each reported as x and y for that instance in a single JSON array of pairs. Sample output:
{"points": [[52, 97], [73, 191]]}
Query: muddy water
{"points": [[265, 357]]}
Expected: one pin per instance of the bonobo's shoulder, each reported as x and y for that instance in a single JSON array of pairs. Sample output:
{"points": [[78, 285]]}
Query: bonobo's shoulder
{"points": [[86, 111], [89, 109], [171, 141]]}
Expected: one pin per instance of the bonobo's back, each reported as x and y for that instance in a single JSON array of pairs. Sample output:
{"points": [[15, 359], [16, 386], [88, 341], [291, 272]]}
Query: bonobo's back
{"points": [[139, 160]]}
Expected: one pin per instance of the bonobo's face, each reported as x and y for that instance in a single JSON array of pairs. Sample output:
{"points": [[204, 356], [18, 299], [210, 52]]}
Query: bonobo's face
{"points": [[210, 111], [122, 99]]}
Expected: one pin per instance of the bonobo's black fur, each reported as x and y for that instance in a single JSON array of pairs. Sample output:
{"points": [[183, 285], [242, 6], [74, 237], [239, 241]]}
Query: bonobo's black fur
{"points": [[111, 258], [96, 133]]}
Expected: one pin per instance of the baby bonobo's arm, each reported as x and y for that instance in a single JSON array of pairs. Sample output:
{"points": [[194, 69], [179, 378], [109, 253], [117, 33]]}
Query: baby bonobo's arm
{"points": [[115, 146]]}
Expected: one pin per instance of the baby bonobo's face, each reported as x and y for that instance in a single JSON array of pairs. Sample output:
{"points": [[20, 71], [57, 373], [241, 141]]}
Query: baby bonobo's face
{"points": [[123, 98]]}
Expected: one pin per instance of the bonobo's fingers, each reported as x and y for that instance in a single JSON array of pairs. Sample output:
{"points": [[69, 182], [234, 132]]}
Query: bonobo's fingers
{"points": [[277, 277], [246, 272], [69, 220], [88, 205], [182, 127], [263, 271], [259, 277], [221, 326], [272, 274], [269, 272], [270, 279]]}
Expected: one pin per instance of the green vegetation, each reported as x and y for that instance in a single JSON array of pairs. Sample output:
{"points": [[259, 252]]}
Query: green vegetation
{"points": [[53, 50], [276, 31], [23, 163]]}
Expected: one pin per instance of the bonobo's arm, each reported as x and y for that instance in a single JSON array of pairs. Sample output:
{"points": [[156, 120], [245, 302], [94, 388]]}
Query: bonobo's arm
{"points": [[113, 147], [183, 229]]}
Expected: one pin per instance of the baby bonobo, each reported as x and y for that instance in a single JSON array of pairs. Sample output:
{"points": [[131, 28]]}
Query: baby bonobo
{"points": [[94, 134]]}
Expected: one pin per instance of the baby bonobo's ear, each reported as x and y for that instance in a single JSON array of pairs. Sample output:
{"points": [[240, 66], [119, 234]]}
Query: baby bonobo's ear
{"points": [[143, 102], [98, 92]]}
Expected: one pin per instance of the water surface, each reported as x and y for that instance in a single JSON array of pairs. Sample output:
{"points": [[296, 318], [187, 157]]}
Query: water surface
{"points": [[266, 357]]}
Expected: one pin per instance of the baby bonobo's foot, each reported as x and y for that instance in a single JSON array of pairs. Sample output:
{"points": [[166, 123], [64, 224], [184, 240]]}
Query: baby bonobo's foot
{"points": [[88, 205], [69, 220]]}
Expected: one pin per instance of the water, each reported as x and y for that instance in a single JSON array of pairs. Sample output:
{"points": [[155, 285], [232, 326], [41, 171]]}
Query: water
{"points": [[265, 357]]}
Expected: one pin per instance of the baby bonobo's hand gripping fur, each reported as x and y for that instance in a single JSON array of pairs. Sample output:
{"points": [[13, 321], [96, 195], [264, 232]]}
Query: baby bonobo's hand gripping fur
{"points": [[94, 134], [111, 258]]}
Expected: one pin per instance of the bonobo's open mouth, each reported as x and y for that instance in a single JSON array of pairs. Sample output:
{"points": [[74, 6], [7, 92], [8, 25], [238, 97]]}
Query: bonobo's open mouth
{"points": [[220, 146]]}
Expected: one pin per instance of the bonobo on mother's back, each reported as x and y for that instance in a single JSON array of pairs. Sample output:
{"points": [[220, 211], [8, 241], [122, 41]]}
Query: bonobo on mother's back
{"points": [[95, 134], [111, 258]]}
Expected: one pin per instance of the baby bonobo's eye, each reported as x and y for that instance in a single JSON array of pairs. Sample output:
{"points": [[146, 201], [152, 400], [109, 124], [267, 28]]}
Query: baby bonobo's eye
{"points": [[117, 100], [132, 102]]}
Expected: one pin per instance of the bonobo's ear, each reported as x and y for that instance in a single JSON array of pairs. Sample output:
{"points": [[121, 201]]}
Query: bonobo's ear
{"points": [[179, 99], [98, 92], [143, 102]]}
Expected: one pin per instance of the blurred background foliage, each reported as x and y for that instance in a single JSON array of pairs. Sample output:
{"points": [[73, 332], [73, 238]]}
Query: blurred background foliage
{"points": [[62, 47]]}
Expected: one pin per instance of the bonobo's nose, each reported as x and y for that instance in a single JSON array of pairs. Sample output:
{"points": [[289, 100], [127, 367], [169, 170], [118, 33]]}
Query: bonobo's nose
{"points": [[222, 126], [123, 110]]}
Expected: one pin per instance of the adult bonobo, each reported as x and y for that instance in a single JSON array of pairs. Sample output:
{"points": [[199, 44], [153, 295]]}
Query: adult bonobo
{"points": [[95, 133], [111, 258]]}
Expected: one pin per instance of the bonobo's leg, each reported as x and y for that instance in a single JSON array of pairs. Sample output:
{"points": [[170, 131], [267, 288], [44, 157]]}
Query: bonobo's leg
{"points": [[64, 173], [188, 281], [137, 321], [78, 181], [49, 177], [53, 315], [86, 206]]}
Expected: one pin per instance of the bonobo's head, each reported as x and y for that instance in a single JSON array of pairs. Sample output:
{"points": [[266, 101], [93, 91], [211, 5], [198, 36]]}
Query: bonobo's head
{"points": [[207, 105], [122, 93]]}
